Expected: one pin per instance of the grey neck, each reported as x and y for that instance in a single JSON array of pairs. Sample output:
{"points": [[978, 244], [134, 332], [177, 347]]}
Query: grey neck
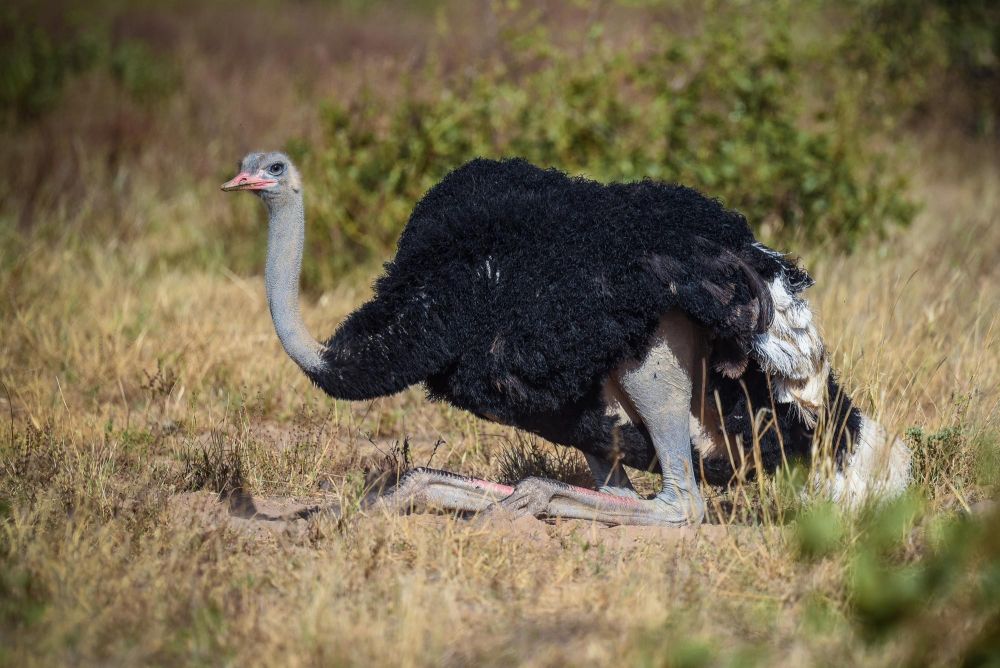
{"points": [[285, 240]]}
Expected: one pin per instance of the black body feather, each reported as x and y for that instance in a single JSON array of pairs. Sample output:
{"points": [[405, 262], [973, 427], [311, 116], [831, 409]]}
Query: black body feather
{"points": [[515, 291]]}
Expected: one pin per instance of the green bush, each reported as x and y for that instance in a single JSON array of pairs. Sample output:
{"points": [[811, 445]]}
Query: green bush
{"points": [[36, 61], [818, 531], [34, 64], [724, 110], [920, 54], [939, 455], [943, 604], [142, 74]]}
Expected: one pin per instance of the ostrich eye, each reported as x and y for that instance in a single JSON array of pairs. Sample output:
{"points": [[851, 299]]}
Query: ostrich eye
{"points": [[276, 169]]}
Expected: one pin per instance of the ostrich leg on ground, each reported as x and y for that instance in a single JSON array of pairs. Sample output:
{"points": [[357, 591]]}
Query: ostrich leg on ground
{"points": [[423, 487], [659, 388]]}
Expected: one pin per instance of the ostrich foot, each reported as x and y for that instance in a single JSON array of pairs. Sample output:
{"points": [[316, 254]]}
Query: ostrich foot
{"points": [[422, 488], [549, 499]]}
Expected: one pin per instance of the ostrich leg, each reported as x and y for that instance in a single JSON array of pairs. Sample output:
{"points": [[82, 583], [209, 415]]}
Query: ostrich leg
{"points": [[610, 478], [423, 487], [659, 388]]}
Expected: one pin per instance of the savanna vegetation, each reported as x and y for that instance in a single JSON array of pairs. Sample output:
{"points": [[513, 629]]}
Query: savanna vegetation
{"points": [[148, 407]]}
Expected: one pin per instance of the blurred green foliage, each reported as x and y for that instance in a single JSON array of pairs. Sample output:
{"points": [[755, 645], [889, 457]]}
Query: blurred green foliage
{"points": [[725, 110], [144, 75], [954, 587], [883, 584], [911, 574], [745, 102], [819, 531], [922, 54], [37, 60], [34, 64]]}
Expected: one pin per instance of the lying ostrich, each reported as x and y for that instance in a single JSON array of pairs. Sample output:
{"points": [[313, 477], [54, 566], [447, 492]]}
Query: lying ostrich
{"points": [[640, 323]]}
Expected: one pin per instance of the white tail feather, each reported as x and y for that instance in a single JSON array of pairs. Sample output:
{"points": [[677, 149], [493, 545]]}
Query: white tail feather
{"points": [[792, 352], [878, 465]]}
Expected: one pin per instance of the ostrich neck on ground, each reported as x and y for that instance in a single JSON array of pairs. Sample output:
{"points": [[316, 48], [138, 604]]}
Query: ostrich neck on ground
{"points": [[285, 240]]}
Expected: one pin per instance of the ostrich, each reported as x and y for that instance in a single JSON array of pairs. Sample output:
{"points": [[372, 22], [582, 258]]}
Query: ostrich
{"points": [[640, 323]]}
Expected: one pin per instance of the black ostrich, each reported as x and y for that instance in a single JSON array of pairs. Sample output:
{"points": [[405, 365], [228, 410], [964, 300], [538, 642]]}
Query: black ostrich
{"points": [[640, 323]]}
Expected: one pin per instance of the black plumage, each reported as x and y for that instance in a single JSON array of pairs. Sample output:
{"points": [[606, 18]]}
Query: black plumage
{"points": [[516, 290]]}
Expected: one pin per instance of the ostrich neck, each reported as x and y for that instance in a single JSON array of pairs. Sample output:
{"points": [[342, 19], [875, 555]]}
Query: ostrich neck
{"points": [[285, 241]]}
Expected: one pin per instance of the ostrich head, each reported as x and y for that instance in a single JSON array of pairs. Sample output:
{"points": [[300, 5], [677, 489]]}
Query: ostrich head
{"points": [[272, 176]]}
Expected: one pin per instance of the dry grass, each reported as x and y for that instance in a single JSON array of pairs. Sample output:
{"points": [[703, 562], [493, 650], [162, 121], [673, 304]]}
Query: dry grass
{"points": [[122, 376], [133, 380]]}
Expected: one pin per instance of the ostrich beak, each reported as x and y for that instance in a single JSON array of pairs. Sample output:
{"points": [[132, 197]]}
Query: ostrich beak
{"points": [[244, 181]]}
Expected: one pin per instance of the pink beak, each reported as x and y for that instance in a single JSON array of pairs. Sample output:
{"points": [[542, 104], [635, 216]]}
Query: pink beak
{"points": [[244, 181]]}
